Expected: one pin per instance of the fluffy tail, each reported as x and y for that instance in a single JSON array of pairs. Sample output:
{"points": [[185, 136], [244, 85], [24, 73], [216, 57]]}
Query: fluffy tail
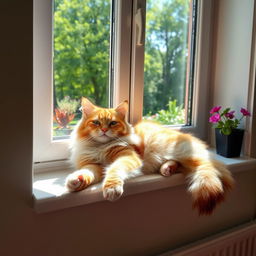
{"points": [[208, 183]]}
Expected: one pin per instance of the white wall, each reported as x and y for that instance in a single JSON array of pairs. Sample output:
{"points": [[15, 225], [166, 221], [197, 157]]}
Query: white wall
{"points": [[232, 63], [136, 225]]}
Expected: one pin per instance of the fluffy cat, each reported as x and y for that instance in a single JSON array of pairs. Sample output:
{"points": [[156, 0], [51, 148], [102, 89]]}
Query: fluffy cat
{"points": [[106, 147]]}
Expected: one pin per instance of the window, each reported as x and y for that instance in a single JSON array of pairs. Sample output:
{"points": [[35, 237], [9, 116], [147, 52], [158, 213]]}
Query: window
{"points": [[146, 51], [81, 45], [166, 67]]}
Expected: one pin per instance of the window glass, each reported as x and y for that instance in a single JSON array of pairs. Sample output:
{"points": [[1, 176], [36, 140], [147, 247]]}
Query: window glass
{"points": [[167, 61], [81, 59]]}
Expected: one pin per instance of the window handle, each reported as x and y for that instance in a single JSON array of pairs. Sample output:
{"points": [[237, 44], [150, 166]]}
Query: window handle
{"points": [[140, 31]]}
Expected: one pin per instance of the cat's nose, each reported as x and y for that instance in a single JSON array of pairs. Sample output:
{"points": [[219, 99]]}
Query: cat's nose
{"points": [[104, 129]]}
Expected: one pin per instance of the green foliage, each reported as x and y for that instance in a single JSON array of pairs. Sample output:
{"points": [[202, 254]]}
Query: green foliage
{"points": [[81, 49], [172, 115], [226, 125], [68, 105], [165, 53]]}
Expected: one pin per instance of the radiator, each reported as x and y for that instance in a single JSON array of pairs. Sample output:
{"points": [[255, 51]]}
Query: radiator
{"points": [[238, 242]]}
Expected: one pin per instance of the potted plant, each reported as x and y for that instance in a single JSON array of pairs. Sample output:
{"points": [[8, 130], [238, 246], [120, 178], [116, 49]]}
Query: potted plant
{"points": [[64, 114], [228, 136]]}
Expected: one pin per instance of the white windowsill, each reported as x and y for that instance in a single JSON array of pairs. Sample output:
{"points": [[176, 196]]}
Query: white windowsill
{"points": [[50, 193]]}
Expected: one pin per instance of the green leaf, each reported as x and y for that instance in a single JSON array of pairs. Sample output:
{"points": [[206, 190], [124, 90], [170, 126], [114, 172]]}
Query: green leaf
{"points": [[226, 130], [225, 111], [219, 126]]}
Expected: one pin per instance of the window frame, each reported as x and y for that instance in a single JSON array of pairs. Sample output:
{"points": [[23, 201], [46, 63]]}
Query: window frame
{"points": [[44, 148], [202, 72], [128, 72]]}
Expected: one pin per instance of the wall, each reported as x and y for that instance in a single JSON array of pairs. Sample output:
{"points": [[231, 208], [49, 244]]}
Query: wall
{"points": [[144, 224], [233, 49]]}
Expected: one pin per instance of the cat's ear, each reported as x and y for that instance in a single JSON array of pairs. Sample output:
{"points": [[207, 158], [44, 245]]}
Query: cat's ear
{"points": [[87, 107], [122, 109]]}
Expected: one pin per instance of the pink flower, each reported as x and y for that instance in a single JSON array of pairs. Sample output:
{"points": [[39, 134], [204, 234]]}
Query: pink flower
{"points": [[215, 118], [230, 115], [215, 109], [245, 112]]}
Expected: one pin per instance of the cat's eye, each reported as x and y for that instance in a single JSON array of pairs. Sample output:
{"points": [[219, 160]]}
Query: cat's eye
{"points": [[96, 122], [112, 123]]}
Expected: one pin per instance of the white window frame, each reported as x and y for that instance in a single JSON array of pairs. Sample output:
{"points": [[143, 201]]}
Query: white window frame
{"points": [[44, 148], [128, 75]]}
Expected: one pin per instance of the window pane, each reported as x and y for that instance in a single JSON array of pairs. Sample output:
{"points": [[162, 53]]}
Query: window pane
{"points": [[166, 68], [81, 59]]}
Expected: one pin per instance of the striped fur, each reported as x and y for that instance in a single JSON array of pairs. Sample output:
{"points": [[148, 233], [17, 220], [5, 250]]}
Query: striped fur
{"points": [[115, 152]]}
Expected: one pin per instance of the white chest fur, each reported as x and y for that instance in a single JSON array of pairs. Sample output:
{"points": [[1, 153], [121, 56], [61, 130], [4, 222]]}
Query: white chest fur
{"points": [[87, 151]]}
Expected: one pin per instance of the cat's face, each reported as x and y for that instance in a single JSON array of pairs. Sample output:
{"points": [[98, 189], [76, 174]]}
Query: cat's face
{"points": [[101, 124]]}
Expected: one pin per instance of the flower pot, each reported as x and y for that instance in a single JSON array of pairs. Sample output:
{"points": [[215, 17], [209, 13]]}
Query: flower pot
{"points": [[229, 145]]}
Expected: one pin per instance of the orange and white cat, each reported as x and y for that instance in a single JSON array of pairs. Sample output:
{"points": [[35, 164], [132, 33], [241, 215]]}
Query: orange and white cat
{"points": [[106, 147]]}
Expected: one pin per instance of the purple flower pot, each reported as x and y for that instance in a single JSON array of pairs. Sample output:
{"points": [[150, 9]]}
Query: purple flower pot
{"points": [[229, 145]]}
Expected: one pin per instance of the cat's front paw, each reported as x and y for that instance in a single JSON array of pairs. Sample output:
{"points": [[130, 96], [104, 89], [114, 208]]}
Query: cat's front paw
{"points": [[74, 182], [112, 191], [78, 180]]}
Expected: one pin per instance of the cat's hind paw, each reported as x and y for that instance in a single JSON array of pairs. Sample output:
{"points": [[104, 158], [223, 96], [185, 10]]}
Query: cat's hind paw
{"points": [[169, 168]]}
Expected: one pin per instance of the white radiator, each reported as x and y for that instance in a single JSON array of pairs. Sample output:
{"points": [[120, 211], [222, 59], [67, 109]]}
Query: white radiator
{"points": [[238, 242]]}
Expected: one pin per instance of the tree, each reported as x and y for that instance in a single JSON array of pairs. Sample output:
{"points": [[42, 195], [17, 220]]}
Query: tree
{"points": [[166, 53], [81, 49]]}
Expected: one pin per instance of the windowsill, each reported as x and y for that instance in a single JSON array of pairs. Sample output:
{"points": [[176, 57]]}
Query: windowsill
{"points": [[50, 193]]}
